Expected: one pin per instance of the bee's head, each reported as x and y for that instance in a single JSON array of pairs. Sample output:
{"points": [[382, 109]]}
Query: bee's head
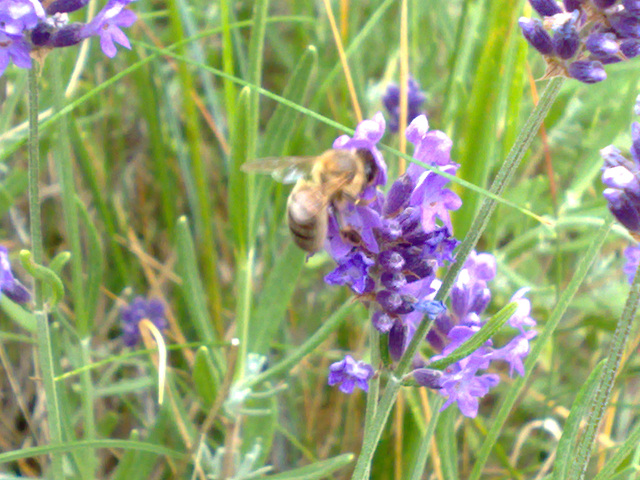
{"points": [[370, 167]]}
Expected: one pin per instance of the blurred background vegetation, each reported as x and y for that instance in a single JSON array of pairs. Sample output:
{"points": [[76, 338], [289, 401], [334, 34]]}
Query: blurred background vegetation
{"points": [[156, 138]]}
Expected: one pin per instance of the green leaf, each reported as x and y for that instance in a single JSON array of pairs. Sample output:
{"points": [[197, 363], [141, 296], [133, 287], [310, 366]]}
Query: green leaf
{"points": [[191, 284], [267, 317], [571, 430], [206, 377], [94, 262], [18, 314]]}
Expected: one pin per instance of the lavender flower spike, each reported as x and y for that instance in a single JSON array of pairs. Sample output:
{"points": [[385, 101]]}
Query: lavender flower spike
{"points": [[391, 101], [135, 312], [349, 374], [106, 25], [9, 285]]}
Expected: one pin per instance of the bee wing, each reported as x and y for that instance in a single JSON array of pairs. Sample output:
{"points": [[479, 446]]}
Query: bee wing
{"points": [[282, 169]]}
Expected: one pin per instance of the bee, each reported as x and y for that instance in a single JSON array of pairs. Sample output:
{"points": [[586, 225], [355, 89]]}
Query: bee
{"points": [[331, 179]]}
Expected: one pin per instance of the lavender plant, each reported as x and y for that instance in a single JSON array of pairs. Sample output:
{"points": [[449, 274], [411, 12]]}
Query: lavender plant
{"points": [[388, 252], [254, 405]]}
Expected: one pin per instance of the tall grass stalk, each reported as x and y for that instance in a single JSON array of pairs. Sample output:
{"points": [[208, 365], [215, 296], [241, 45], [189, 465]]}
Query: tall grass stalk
{"points": [[44, 347], [604, 387]]}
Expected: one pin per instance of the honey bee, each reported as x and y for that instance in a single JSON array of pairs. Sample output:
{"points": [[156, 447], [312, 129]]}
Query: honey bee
{"points": [[333, 178]]}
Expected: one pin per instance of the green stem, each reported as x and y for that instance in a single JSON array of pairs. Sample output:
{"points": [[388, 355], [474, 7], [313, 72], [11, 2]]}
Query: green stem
{"points": [[500, 417], [374, 387], [43, 334], [508, 168], [525, 137], [605, 385]]}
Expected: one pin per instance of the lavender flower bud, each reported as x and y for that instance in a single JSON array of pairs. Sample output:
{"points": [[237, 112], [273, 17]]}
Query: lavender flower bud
{"points": [[397, 340], [9, 285], [394, 303], [67, 36], [536, 35], [410, 220], [382, 321], [391, 261], [630, 48], [603, 4], [41, 34], [624, 209], [566, 40], [626, 25], [398, 196], [428, 377], [65, 6], [393, 281], [571, 5], [602, 44], [545, 8], [587, 71]]}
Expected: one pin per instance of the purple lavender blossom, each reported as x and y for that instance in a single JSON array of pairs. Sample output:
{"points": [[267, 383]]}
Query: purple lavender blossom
{"points": [[349, 374], [368, 133], [461, 385], [470, 295], [586, 36], [106, 25], [19, 15], [9, 285], [14, 48], [389, 258], [391, 101], [138, 310], [25, 27]]}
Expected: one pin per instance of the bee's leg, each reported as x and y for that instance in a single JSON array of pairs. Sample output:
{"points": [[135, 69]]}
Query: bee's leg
{"points": [[348, 234]]}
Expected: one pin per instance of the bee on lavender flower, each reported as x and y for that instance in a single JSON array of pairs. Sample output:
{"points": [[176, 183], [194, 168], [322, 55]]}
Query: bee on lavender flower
{"points": [[323, 183]]}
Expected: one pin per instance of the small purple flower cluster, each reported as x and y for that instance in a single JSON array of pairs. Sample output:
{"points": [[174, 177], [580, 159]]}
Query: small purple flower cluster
{"points": [[391, 101], [9, 285], [348, 374], [587, 34], [138, 310], [388, 251], [470, 296], [26, 26]]}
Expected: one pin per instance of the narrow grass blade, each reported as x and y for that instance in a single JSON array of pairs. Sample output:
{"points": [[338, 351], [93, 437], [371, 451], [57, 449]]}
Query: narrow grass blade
{"points": [[94, 261], [315, 470], [600, 399], [630, 445], [205, 376], [499, 419], [487, 331], [571, 430], [67, 447], [191, 284]]}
